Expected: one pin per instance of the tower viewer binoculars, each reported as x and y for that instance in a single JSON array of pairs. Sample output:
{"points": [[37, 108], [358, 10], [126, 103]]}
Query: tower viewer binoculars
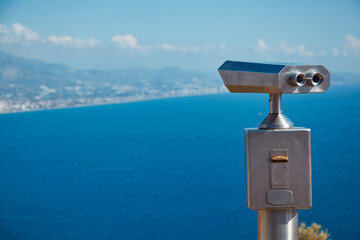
{"points": [[278, 155]]}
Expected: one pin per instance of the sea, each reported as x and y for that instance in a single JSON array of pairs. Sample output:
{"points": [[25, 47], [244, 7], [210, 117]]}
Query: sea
{"points": [[168, 168]]}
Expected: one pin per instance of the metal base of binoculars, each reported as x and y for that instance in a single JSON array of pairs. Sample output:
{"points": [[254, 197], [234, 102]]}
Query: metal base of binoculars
{"points": [[277, 224], [276, 119]]}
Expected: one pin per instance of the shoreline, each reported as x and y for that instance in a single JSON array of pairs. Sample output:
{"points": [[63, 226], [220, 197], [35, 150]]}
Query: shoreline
{"points": [[111, 103]]}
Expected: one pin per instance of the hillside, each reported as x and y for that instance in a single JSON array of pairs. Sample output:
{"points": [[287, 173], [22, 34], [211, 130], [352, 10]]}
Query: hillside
{"points": [[27, 84]]}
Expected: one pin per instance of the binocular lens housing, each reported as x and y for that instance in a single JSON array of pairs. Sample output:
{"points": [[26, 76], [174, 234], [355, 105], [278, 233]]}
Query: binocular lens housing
{"points": [[316, 79], [298, 79]]}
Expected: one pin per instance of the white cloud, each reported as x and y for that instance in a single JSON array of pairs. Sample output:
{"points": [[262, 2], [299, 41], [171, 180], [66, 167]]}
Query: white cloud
{"points": [[352, 44], [304, 52], [210, 47], [283, 47], [338, 52], [63, 40], [222, 46], [335, 51], [126, 41], [21, 34], [69, 41], [169, 47], [183, 48], [17, 33], [261, 46], [24, 33]]}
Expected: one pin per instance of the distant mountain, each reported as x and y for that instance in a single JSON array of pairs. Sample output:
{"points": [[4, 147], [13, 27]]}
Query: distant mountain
{"points": [[27, 84]]}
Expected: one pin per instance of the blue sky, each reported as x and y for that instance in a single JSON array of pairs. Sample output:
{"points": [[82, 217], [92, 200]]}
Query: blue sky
{"points": [[196, 35]]}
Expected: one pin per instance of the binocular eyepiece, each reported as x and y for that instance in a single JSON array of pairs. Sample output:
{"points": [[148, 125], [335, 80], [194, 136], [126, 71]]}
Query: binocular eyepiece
{"points": [[312, 78], [298, 79]]}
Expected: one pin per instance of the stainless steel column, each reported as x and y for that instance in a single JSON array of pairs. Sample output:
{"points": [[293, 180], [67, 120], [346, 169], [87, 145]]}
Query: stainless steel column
{"points": [[275, 103], [276, 118], [278, 224]]}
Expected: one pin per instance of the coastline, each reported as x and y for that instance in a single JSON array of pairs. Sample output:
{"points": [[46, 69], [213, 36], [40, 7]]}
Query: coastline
{"points": [[115, 102]]}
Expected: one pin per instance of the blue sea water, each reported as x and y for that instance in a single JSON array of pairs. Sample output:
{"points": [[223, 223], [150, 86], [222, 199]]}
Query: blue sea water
{"points": [[167, 169]]}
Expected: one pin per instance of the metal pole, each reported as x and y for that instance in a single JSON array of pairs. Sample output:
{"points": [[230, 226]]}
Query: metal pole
{"points": [[278, 224], [276, 119], [275, 103]]}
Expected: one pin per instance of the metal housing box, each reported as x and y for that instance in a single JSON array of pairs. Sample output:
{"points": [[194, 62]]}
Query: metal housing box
{"points": [[278, 168]]}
